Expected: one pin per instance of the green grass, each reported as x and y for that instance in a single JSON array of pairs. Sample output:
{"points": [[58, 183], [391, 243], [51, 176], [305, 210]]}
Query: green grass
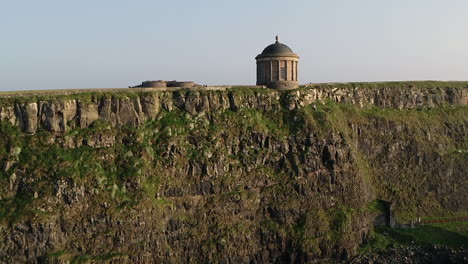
{"points": [[82, 95], [249, 90], [446, 234], [391, 85]]}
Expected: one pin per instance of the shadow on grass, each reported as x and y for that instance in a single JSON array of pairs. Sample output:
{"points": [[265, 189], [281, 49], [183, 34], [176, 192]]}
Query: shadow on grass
{"points": [[452, 235]]}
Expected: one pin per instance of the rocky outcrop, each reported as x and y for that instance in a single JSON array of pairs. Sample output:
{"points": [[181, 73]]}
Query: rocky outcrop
{"points": [[406, 97], [58, 115]]}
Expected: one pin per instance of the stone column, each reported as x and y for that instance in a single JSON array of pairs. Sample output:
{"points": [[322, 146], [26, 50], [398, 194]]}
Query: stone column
{"points": [[279, 70], [296, 72], [295, 75], [293, 71], [271, 70], [286, 70], [258, 71]]}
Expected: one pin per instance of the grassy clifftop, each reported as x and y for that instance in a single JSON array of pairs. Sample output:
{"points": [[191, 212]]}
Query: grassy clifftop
{"points": [[37, 95]]}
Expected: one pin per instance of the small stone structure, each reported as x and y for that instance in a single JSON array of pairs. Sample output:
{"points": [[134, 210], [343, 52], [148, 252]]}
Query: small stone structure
{"points": [[277, 67], [153, 84], [165, 84], [385, 218]]}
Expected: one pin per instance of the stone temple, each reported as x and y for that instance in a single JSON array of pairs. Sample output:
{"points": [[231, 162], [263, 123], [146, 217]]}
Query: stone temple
{"points": [[277, 67]]}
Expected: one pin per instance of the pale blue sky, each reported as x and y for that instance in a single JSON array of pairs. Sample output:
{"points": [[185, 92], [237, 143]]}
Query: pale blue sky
{"points": [[56, 44]]}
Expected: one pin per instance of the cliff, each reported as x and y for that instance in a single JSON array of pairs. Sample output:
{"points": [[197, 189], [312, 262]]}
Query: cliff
{"points": [[57, 113], [225, 176]]}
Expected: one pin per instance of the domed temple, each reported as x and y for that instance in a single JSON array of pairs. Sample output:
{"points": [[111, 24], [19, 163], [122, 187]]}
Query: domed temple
{"points": [[277, 67]]}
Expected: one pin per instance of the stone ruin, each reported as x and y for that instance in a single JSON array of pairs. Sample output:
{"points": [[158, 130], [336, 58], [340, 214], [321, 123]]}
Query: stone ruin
{"points": [[166, 84]]}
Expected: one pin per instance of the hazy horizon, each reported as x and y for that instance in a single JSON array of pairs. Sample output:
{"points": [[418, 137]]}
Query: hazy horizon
{"points": [[88, 44]]}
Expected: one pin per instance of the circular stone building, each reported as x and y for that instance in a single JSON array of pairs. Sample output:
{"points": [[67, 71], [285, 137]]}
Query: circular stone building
{"points": [[277, 67]]}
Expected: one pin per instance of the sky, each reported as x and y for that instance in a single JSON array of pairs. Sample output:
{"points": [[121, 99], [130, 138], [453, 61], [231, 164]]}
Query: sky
{"points": [[59, 44]]}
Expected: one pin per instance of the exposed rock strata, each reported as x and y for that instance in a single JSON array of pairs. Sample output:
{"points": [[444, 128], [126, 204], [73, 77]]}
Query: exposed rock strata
{"points": [[60, 115]]}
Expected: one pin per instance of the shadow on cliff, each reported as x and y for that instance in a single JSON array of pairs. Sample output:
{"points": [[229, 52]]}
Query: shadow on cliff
{"points": [[444, 235]]}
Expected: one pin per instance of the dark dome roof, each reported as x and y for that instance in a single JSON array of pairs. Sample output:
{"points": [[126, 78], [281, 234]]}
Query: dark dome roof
{"points": [[277, 49]]}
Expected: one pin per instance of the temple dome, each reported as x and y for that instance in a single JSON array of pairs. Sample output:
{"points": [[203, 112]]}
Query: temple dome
{"points": [[276, 49]]}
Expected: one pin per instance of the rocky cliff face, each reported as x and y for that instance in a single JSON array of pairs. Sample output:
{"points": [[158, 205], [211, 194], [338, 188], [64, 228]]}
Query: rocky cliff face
{"points": [[135, 108], [244, 175]]}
